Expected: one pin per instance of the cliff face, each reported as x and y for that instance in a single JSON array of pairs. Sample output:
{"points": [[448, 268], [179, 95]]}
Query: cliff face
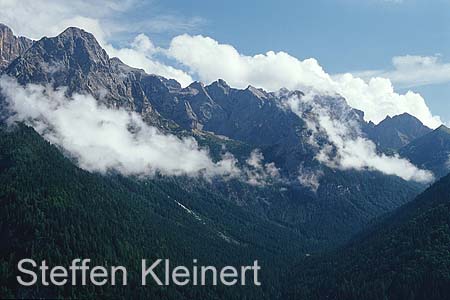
{"points": [[11, 46], [75, 60]]}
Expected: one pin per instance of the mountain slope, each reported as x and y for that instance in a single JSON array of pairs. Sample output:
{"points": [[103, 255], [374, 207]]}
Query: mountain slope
{"points": [[404, 257], [76, 61], [431, 151], [396, 132]]}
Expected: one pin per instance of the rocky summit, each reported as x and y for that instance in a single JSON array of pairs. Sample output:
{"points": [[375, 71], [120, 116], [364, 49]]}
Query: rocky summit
{"points": [[11, 46]]}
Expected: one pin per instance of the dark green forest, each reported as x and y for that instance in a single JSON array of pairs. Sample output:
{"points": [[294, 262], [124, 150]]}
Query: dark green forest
{"points": [[405, 256]]}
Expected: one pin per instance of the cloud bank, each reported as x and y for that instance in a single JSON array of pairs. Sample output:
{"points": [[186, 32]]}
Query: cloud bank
{"points": [[344, 149], [104, 139]]}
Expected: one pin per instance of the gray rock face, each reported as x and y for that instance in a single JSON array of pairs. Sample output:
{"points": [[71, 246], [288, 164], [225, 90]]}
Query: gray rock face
{"points": [[396, 132], [75, 60], [11, 46]]}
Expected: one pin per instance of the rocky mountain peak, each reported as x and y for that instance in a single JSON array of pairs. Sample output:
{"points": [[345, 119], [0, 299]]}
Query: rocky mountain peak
{"points": [[198, 88], [259, 93], [5, 29], [11, 46], [197, 85], [73, 53], [405, 123], [77, 42], [76, 32], [222, 83], [402, 119], [397, 131], [219, 89], [443, 129]]}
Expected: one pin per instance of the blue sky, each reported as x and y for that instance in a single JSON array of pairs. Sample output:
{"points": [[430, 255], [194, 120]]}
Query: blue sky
{"points": [[342, 34], [406, 41]]}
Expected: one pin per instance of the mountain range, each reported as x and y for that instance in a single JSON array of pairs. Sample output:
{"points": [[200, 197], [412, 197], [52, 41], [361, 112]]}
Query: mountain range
{"points": [[310, 207]]}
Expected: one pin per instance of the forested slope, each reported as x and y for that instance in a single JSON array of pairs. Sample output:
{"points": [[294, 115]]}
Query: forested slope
{"points": [[406, 256], [52, 210]]}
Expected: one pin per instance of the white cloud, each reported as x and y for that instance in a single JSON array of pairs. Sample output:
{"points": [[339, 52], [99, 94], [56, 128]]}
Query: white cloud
{"points": [[103, 139], [257, 173], [309, 178], [209, 60], [35, 19], [377, 98], [141, 54], [413, 70], [346, 150]]}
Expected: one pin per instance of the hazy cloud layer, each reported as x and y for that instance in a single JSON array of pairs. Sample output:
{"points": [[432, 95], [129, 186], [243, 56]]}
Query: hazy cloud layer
{"points": [[346, 149], [104, 139]]}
